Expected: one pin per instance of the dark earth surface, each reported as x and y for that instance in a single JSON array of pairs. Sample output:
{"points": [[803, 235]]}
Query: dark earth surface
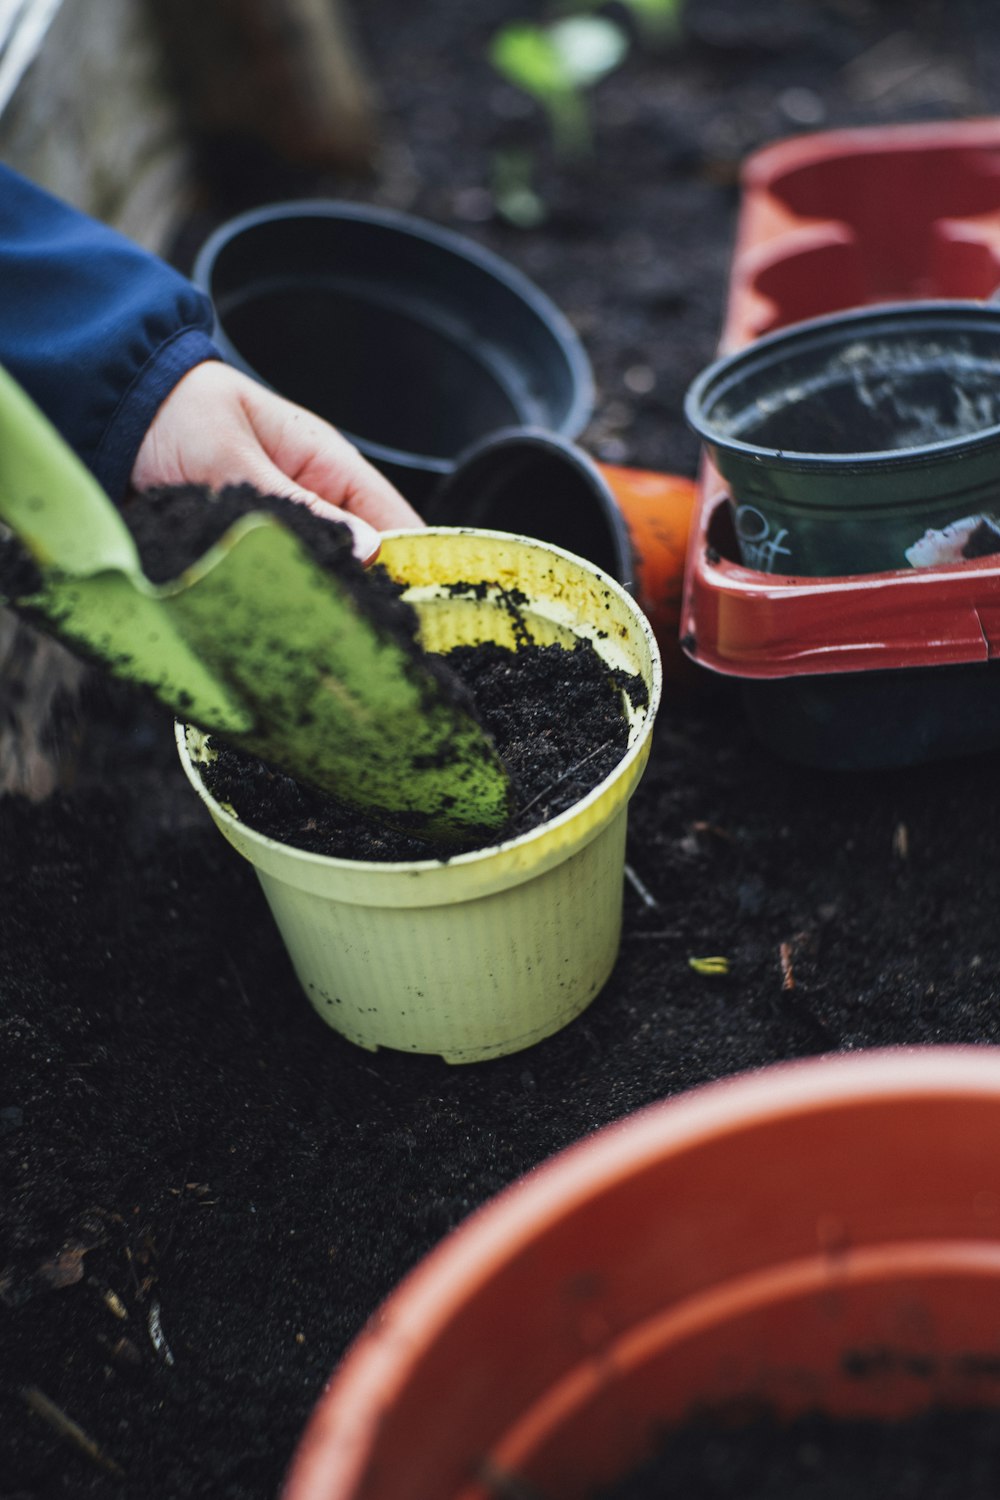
{"points": [[947, 1455], [204, 1191]]}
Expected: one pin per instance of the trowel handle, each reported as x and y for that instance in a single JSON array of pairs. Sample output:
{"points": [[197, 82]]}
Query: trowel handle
{"points": [[50, 500]]}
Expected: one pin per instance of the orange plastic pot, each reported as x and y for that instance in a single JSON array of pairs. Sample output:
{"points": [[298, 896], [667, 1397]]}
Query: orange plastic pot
{"points": [[632, 523], [819, 1235]]}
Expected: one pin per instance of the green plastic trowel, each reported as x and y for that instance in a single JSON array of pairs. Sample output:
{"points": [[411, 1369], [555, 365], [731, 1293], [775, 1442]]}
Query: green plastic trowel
{"points": [[254, 643]]}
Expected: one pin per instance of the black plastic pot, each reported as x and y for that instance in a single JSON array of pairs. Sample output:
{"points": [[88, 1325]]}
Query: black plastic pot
{"points": [[630, 522], [412, 340], [539, 485]]}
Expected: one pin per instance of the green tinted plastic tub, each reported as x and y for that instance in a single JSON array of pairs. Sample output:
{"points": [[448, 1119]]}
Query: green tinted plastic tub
{"points": [[861, 442], [485, 953]]}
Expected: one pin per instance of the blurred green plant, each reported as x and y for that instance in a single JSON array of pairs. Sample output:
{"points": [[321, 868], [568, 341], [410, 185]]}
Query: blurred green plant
{"points": [[512, 188], [556, 64]]}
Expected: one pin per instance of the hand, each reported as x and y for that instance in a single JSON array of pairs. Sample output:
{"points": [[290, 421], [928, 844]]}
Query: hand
{"points": [[218, 427]]}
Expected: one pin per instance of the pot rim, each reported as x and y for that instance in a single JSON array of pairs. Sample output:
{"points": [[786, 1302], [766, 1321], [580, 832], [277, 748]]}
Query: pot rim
{"points": [[377, 1365], [410, 226], [730, 367]]}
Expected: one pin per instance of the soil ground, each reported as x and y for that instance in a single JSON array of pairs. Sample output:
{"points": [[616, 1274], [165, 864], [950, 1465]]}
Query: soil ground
{"points": [[205, 1192]]}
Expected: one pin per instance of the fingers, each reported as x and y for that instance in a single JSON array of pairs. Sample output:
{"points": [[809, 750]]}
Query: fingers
{"points": [[218, 427], [365, 540], [366, 492], [324, 462], [268, 479]]}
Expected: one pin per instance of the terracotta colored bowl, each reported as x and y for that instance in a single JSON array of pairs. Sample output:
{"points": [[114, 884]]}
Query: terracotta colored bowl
{"points": [[822, 1234]]}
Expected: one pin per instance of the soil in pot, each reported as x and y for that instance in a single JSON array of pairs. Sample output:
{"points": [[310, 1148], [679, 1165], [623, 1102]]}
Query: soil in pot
{"points": [[947, 1454], [554, 714]]}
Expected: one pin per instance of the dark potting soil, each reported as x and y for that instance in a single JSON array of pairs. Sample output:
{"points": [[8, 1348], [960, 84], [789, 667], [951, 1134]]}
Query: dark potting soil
{"points": [[205, 1192], [554, 715], [940, 1455], [173, 527]]}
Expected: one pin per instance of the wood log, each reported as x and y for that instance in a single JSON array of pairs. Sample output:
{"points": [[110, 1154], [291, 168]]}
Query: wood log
{"points": [[40, 722]]}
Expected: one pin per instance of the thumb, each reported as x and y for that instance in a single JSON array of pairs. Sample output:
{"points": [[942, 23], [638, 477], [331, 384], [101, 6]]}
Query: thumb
{"points": [[365, 540], [269, 480]]}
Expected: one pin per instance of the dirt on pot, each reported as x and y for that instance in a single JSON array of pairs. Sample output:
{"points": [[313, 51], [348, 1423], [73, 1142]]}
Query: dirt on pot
{"points": [[555, 716]]}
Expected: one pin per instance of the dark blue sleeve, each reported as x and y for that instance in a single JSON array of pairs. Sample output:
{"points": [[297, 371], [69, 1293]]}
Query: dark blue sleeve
{"points": [[96, 330]]}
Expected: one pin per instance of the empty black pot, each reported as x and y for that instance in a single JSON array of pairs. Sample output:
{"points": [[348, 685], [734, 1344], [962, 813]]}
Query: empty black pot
{"points": [[412, 340], [539, 485], [632, 523]]}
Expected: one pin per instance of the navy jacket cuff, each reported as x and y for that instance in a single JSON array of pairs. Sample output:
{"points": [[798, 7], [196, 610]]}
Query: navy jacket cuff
{"points": [[122, 438]]}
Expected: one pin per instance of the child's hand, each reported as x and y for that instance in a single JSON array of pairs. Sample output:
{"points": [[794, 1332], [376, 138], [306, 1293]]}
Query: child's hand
{"points": [[218, 427]]}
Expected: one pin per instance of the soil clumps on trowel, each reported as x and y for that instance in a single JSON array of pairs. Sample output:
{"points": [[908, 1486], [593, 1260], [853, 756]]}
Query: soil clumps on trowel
{"points": [[174, 526]]}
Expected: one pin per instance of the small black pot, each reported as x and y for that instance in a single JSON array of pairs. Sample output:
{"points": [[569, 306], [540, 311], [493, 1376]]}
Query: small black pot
{"points": [[631, 523], [412, 340], [539, 485]]}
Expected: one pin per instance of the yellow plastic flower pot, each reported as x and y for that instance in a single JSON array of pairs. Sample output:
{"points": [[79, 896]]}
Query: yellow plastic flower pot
{"points": [[485, 953]]}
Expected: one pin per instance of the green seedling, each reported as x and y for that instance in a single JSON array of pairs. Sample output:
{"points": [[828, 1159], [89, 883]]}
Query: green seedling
{"points": [[253, 643], [512, 186], [556, 65]]}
